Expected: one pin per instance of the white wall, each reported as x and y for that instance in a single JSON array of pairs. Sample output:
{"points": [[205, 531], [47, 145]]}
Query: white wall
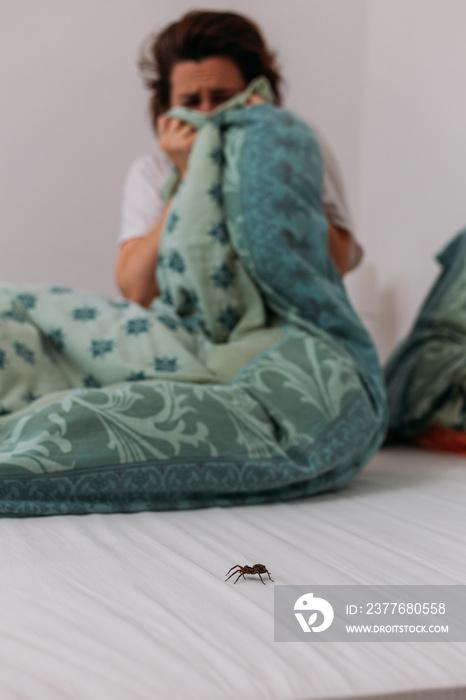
{"points": [[73, 116], [413, 186]]}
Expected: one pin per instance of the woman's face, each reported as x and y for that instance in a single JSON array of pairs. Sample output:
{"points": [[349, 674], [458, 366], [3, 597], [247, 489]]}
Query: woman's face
{"points": [[204, 85]]}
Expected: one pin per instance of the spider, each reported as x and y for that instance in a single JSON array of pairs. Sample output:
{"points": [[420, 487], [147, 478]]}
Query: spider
{"points": [[256, 569]]}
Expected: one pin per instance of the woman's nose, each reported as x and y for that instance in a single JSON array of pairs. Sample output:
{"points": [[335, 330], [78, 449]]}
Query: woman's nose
{"points": [[206, 105]]}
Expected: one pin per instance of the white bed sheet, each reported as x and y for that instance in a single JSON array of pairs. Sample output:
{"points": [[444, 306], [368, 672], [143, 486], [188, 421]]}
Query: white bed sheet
{"points": [[135, 606]]}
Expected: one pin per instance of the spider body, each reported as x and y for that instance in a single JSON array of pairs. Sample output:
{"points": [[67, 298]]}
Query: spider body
{"points": [[241, 570]]}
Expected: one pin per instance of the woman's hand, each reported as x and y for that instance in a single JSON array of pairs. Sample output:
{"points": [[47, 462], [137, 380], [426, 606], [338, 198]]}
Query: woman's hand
{"points": [[176, 139]]}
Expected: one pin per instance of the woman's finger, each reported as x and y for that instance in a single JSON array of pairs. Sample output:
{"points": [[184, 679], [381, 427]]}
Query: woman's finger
{"points": [[255, 100]]}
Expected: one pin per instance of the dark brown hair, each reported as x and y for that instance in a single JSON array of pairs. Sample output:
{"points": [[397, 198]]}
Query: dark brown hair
{"points": [[199, 35]]}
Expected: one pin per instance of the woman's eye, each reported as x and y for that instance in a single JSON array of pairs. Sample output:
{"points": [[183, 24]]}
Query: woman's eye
{"points": [[191, 102], [218, 99]]}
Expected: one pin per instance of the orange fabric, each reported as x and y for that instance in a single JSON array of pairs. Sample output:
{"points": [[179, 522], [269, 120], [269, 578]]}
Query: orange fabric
{"points": [[436, 437]]}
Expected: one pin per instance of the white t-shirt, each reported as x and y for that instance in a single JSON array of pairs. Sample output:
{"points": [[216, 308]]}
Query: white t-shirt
{"points": [[143, 204]]}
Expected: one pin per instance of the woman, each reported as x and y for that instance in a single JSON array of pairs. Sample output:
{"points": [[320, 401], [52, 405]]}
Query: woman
{"points": [[199, 62]]}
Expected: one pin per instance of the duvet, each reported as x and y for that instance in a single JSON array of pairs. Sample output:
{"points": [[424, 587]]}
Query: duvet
{"points": [[249, 379]]}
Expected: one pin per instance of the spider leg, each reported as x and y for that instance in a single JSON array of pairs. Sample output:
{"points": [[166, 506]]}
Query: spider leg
{"points": [[270, 577], [234, 572], [241, 574], [261, 577]]}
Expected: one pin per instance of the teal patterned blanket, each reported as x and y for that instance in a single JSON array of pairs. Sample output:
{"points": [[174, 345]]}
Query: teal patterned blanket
{"points": [[250, 379], [426, 375]]}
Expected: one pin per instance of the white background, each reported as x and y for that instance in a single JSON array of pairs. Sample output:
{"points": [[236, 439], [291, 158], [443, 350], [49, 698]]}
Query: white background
{"points": [[383, 79]]}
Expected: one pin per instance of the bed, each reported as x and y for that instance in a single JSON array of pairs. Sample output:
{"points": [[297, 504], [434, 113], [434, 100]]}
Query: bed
{"points": [[125, 595], [135, 605]]}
